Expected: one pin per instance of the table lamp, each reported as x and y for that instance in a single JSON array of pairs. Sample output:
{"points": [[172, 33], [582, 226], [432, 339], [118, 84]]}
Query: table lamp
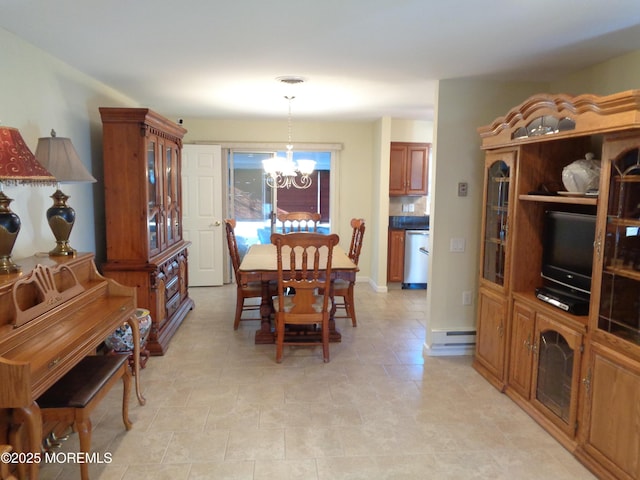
{"points": [[58, 155], [18, 166]]}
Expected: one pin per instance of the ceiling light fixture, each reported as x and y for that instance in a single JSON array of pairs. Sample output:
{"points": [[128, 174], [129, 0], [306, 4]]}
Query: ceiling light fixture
{"points": [[291, 79], [285, 172]]}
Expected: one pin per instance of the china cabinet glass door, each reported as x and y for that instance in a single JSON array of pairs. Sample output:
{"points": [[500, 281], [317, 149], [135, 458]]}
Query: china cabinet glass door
{"points": [[496, 215], [171, 193], [619, 312], [153, 203]]}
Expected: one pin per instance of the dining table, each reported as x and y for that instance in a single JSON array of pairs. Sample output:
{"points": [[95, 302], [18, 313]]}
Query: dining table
{"points": [[260, 264]]}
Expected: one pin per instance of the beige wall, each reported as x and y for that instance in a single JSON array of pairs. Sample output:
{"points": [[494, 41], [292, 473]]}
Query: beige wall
{"points": [[420, 131], [356, 163], [38, 93], [463, 106], [380, 202], [615, 75]]}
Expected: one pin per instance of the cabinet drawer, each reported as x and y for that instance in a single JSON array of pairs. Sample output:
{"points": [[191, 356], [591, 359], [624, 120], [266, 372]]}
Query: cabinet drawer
{"points": [[172, 305], [172, 287]]}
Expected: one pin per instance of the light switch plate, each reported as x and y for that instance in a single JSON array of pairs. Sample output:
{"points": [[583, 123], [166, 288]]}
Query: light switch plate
{"points": [[457, 245], [466, 297]]}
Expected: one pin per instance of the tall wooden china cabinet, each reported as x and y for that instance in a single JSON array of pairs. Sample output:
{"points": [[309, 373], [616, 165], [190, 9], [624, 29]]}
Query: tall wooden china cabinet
{"points": [[578, 375], [143, 209]]}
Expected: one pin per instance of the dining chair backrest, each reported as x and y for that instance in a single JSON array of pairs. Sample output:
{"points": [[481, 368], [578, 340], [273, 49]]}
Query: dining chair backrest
{"points": [[304, 263], [245, 290], [299, 222], [357, 224], [230, 225]]}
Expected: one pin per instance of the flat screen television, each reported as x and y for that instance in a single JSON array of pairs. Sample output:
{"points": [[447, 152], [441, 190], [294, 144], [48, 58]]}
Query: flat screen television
{"points": [[567, 251]]}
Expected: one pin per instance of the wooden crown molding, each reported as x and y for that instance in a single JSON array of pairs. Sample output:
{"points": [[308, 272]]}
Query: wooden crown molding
{"points": [[590, 113]]}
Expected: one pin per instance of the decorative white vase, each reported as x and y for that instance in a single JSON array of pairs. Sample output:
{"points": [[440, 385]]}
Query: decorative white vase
{"points": [[582, 175]]}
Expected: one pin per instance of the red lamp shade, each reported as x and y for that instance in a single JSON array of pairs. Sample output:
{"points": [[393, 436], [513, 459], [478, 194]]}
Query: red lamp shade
{"points": [[17, 164]]}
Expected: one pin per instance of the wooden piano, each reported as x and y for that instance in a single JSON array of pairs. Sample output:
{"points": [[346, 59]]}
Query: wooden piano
{"points": [[53, 314]]}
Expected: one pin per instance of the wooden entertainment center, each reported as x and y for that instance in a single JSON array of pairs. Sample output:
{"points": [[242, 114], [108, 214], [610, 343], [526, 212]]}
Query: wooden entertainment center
{"points": [[578, 376]]}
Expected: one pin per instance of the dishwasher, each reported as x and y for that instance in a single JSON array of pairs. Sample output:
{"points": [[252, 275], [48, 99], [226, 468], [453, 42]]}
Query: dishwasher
{"points": [[416, 259]]}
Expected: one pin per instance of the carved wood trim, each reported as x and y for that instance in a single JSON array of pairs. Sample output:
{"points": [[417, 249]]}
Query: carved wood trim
{"points": [[591, 114], [39, 292]]}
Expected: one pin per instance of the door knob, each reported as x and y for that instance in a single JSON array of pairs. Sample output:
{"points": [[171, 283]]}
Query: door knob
{"points": [[216, 224]]}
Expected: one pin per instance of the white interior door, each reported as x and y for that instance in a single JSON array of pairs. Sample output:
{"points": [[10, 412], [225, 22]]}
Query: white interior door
{"points": [[202, 213]]}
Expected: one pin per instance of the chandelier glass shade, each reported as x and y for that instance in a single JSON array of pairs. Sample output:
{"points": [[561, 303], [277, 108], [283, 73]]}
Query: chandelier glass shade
{"points": [[285, 172]]}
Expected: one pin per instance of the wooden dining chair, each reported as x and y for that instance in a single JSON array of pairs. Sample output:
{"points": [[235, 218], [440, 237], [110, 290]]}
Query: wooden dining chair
{"points": [[344, 288], [299, 222], [304, 264], [5, 474], [243, 292]]}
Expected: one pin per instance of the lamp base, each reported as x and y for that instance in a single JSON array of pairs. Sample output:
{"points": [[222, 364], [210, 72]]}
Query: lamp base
{"points": [[9, 229], [62, 249], [61, 218], [8, 266]]}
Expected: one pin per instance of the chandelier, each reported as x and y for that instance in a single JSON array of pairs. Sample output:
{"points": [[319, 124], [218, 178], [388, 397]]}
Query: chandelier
{"points": [[285, 172]]}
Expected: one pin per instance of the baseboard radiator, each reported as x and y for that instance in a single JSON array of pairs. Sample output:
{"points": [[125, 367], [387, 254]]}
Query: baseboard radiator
{"points": [[451, 342]]}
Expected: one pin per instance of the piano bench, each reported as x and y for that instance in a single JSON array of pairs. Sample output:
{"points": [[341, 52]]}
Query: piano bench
{"points": [[72, 398]]}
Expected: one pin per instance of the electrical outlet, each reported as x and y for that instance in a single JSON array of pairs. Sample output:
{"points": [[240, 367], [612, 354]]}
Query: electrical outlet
{"points": [[466, 297], [463, 188]]}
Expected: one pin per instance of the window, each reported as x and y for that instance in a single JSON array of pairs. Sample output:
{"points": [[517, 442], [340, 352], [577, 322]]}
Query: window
{"points": [[251, 199]]}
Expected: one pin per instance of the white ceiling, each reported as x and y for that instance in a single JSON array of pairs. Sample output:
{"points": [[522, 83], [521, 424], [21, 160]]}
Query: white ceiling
{"points": [[362, 59]]}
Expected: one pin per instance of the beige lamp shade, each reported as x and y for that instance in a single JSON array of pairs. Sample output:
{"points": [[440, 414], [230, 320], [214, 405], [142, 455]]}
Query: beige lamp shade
{"points": [[58, 155]]}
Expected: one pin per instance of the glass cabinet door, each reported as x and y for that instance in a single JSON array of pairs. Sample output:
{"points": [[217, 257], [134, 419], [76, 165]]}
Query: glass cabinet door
{"points": [[496, 215], [619, 311], [557, 349], [153, 194], [168, 164], [172, 193]]}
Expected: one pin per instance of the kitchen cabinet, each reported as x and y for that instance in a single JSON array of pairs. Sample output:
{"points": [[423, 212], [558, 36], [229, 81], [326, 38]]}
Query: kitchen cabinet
{"points": [[395, 257], [585, 390], [143, 213], [409, 169]]}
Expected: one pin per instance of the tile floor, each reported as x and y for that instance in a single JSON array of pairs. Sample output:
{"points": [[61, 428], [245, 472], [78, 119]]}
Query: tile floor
{"points": [[219, 407]]}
